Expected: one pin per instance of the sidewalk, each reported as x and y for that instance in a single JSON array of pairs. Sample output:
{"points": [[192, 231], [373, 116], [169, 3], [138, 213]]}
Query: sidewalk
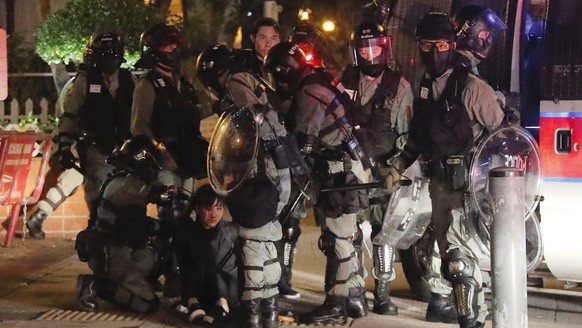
{"points": [[37, 289]]}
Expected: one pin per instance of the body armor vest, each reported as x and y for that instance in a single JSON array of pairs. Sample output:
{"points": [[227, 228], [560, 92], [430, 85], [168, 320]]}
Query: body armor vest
{"points": [[176, 122], [104, 118], [447, 126], [374, 117], [175, 115]]}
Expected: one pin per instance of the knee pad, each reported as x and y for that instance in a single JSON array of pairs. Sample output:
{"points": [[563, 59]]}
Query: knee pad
{"points": [[358, 237], [291, 230], [326, 243], [460, 270]]}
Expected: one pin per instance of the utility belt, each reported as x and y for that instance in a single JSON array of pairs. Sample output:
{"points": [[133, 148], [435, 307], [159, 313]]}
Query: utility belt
{"points": [[453, 170]]}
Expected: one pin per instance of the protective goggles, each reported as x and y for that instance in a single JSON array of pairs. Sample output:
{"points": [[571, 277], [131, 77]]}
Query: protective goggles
{"points": [[441, 46]]}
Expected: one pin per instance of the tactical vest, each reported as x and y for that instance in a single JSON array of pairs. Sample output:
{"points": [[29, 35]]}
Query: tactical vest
{"points": [[176, 122], [374, 117], [104, 118], [447, 126]]}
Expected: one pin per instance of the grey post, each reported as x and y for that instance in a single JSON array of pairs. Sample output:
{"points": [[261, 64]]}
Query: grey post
{"points": [[506, 186]]}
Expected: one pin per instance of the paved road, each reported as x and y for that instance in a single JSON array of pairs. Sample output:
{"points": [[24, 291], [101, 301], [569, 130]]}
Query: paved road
{"points": [[37, 289]]}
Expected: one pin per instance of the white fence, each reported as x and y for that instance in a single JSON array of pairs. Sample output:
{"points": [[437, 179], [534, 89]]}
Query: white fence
{"points": [[15, 114]]}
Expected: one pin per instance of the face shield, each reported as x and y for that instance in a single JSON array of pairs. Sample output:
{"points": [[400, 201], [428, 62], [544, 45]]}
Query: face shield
{"points": [[371, 55], [374, 50]]}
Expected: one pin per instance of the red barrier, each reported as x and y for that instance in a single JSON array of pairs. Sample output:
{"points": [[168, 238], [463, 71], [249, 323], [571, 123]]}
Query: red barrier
{"points": [[16, 150]]}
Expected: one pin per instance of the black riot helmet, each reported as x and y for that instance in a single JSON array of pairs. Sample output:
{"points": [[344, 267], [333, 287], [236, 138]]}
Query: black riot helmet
{"points": [[370, 39], [140, 156], [161, 44], [286, 62], [105, 51], [476, 28], [310, 40], [212, 64], [436, 43]]}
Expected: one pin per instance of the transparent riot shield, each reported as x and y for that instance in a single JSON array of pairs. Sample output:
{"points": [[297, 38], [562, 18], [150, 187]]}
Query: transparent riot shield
{"points": [[507, 146], [233, 149], [408, 213]]}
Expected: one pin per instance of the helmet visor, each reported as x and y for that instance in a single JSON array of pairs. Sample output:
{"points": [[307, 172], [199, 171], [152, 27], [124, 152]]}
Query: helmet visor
{"points": [[373, 51], [487, 23]]}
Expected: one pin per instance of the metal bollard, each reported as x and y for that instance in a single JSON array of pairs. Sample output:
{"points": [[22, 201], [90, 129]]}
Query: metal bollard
{"points": [[509, 276]]}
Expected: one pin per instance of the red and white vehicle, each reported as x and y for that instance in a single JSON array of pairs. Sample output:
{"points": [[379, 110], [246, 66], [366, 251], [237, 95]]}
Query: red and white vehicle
{"points": [[560, 138]]}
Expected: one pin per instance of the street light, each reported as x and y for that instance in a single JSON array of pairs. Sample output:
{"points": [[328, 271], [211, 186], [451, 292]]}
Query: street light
{"points": [[328, 26], [304, 14]]}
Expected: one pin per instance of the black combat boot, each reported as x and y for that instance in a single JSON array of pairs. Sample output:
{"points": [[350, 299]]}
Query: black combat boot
{"points": [[357, 306], [270, 312], [332, 311], [382, 302], [441, 309], [87, 293], [251, 313], [34, 224]]}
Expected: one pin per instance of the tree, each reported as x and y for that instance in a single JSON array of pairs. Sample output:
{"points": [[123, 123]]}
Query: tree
{"points": [[62, 37]]}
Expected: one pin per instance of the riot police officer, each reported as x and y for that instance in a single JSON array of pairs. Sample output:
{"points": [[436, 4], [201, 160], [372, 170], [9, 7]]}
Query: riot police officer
{"points": [[325, 134], [270, 177], [381, 109], [213, 67], [164, 109], [97, 112], [311, 41], [119, 248], [453, 108]]}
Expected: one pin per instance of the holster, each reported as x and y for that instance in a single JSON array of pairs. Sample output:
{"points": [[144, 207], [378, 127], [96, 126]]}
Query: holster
{"points": [[455, 172]]}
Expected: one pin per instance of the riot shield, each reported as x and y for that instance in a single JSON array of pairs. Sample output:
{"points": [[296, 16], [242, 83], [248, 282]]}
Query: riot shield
{"points": [[408, 213], [233, 149], [507, 146]]}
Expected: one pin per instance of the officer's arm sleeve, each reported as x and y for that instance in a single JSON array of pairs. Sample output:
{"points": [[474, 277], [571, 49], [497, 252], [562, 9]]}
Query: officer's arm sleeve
{"points": [[142, 108], [310, 113], [74, 99], [402, 112], [482, 105]]}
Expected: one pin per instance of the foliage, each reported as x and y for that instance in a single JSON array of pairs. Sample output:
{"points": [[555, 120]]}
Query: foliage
{"points": [[24, 60], [62, 37]]}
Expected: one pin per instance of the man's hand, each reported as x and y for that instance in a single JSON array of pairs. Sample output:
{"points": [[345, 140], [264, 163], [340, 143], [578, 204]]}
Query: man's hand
{"points": [[162, 194], [393, 179]]}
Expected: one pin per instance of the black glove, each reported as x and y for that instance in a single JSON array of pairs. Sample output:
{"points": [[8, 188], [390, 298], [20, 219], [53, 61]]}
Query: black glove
{"points": [[67, 159], [162, 194]]}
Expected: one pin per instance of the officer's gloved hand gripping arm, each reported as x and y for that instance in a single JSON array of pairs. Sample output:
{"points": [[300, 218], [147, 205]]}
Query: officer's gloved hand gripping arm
{"points": [[397, 165]]}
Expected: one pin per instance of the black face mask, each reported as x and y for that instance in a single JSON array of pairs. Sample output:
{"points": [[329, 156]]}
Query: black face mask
{"points": [[108, 64], [436, 62], [372, 70]]}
